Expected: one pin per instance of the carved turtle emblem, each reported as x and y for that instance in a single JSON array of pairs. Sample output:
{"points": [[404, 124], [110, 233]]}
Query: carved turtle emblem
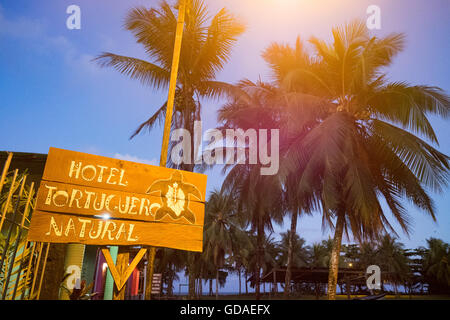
{"points": [[175, 196]]}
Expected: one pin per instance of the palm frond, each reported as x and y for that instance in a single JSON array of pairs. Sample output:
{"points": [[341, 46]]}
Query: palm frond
{"points": [[409, 106], [147, 73]]}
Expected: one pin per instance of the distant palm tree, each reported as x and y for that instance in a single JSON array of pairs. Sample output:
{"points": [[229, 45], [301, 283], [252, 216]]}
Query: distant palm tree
{"points": [[267, 260], [436, 265], [170, 261], [362, 142], [240, 255], [293, 254], [367, 256], [260, 197], [221, 230], [271, 257], [299, 250], [393, 260], [319, 256], [259, 201]]}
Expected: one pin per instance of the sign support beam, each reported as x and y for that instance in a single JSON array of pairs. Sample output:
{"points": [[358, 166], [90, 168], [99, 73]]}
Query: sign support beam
{"points": [[168, 120]]}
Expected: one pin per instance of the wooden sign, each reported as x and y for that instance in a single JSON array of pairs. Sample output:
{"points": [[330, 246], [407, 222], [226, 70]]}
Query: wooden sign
{"points": [[96, 200], [156, 283], [75, 199]]}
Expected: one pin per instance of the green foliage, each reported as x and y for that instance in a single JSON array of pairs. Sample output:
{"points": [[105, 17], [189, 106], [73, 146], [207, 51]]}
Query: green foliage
{"points": [[205, 49], [18, 268], [436, 266]]}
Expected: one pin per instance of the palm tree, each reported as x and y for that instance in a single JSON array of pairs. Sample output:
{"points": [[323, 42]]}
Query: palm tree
{"points": [[362, 142], [294, 254], [259, 203], [393, 260], [319, 255], [220, 230], [436, 265], [266, 261], [260, 197], [241, 254], [206, 47], [367, 255], [170, 261]]}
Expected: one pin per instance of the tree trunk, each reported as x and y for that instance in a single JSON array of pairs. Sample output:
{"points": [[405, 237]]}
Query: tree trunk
{"points": [[347, 288], [335, 253], [259, 256], [191, 293], [275, 283], [287, 285], [170, 282], [246, 283], [210, 287], [217, 284], [200, 284], [239, 271]]}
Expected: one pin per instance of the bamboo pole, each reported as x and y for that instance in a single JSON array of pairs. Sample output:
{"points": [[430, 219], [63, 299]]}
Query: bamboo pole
{"points": [[5, 170], [8, 239], [24, 213], [8, 199], [27, 206], [28, 269], [169, 111], [149, 275], [40, 246], [43, 271]]}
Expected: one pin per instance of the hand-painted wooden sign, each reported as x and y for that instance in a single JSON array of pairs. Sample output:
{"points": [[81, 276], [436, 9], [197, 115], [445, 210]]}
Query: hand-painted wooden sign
{"points": [[156, 283], [91, 199]]}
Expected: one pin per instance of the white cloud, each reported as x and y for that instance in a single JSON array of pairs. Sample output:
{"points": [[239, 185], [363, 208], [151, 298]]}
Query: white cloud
{"points": [[132, 158]]}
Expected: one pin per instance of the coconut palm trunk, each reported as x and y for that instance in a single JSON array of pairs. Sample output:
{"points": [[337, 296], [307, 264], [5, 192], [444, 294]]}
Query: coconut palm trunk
{"points": [[170, 281], [246, 283], [287, 287], [217, 284], [210, 287], [200, 283], [240, 284], [191, 266], [334, 259], [259, 257]]}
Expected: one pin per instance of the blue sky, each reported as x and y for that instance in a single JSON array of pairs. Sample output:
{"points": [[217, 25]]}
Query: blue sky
{"points": [[51, 94]]}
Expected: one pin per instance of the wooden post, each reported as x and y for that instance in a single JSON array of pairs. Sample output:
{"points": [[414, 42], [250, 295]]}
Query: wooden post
{"points": [[8, 199], [43, 271], [173, 82], [169, 111], [123, 258], [149, 276], [121, 270], [5, 170]]}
